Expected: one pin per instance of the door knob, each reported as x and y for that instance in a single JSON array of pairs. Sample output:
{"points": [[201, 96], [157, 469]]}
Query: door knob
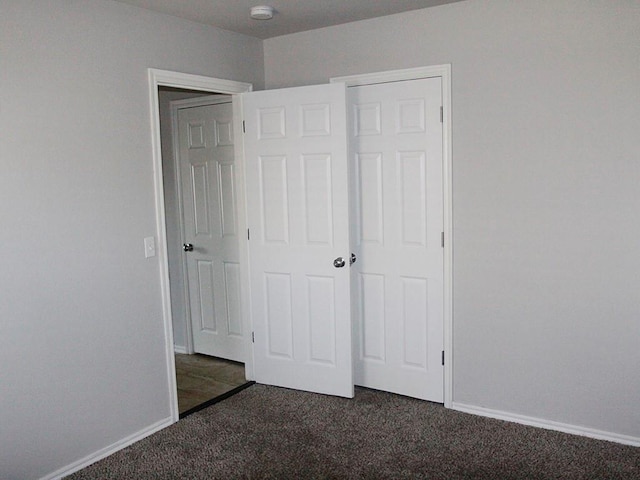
{"points": [[339, 262], [187, 247], [353, 259]]}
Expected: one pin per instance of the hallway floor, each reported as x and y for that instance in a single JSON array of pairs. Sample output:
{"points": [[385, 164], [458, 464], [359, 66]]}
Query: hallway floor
{"points": [[201, 378]]}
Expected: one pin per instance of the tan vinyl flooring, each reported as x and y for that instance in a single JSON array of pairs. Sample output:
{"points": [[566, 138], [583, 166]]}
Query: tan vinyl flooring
{"points": [[201, 378]]}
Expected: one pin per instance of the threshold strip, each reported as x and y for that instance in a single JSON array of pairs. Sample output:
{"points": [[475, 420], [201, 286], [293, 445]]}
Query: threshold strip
{"points": [[215, 400]]}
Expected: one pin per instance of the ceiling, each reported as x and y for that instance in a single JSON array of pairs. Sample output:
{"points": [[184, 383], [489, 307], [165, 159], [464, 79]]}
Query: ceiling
{"points": [[291, 15]]}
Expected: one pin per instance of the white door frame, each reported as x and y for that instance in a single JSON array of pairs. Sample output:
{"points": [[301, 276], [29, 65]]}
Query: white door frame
{"points": [[165, 78], [174, 106], [158, 78], [443, 71]]}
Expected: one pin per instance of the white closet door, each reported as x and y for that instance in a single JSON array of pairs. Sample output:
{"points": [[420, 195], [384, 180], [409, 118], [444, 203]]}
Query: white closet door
{"points": [[396, 160], [296, 164]]}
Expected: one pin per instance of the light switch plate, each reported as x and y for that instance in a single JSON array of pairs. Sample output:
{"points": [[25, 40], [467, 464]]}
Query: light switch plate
{"points": [[149, 247]]}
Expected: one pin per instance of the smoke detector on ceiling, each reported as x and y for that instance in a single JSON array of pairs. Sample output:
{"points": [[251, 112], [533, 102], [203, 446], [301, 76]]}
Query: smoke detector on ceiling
{"points": [[262, 12]]}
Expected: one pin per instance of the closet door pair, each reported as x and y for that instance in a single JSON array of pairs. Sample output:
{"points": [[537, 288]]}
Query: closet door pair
{"points": [[333, 175]]}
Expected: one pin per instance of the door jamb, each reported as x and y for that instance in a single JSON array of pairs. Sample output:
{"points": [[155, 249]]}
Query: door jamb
{"points": [[174, 106], [164, 78], [443, 71]]}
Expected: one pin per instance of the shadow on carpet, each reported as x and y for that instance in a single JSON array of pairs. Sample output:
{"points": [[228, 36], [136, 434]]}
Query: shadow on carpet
{"points": [[273, 433]]}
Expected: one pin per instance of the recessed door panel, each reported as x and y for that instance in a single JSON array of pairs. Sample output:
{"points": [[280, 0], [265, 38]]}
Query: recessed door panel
{"points": [[322, 319], [369, 216], [318, 204], [410, 116], [315, 120], [412, 189], [227, 202], [196, 135], [232, 284], [279, 322], [274, 204], [271, 123], [414, 322], [367, 119], [200, 189], [205, 294], [224, 133], [371, 320]]}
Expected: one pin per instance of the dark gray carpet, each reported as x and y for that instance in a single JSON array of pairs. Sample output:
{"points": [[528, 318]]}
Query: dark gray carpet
{"points": [[268, 432]]}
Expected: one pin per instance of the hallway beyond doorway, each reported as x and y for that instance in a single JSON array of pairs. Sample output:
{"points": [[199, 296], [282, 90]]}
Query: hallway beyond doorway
{"points": [[201, 378]]}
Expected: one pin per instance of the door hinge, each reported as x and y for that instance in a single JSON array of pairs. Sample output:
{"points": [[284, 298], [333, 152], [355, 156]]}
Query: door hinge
{"points": [[442, 239], [441, 114], [253, 338], [244, 127], [248, 235], [442, 357]]}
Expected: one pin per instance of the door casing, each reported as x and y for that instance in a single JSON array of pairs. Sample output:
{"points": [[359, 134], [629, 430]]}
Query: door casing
{"points": [[158, 78]]}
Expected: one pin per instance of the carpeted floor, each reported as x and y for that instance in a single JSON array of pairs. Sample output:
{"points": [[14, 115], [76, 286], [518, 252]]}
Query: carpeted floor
{"points": [[272, 433]]}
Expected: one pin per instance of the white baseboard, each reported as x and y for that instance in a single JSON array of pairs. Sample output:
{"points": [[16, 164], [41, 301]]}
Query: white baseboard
{"points": [[547, 424], [180, 349], [105, 452]]}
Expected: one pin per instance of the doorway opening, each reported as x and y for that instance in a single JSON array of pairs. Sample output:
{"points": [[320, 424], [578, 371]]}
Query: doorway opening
{"points": [[266, 121], [209, 363], [195, 380]]}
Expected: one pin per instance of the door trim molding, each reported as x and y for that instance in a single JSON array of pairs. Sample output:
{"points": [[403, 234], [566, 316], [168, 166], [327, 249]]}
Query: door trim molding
{"points": [[174, 106], [443, 71], [165, 78]]}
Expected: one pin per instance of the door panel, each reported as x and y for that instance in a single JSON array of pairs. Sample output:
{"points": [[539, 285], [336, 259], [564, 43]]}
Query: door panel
{"points": [[297, 205], [396, 162], [206, 156], [372, 317]]}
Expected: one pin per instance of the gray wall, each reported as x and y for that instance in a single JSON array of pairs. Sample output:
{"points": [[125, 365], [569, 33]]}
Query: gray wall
{"points": [[82, 360], [546, 169]]}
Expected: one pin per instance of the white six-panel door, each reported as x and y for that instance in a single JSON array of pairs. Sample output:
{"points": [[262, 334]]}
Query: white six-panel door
{"points": [[206, 160], [297, 208], [396, 164]]}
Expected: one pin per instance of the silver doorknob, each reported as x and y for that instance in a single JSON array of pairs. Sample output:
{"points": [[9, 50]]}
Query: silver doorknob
{"points": [[339, 262], [187, 247]]}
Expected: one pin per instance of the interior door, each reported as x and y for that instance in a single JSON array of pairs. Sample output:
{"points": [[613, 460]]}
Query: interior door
{"points": [[297, 206], [206, 159], [396, 159]]}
